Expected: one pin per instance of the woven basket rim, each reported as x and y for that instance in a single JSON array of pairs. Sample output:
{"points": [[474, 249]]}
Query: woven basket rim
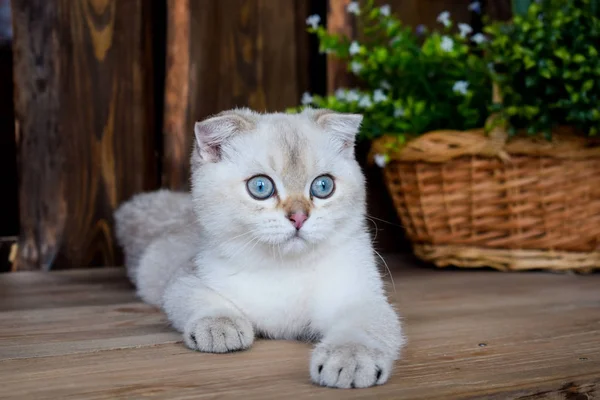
{"points": [[445, 145]]}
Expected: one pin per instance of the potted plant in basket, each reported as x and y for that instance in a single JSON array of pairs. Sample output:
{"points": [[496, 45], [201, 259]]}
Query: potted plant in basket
{"points": [[519, 194]]}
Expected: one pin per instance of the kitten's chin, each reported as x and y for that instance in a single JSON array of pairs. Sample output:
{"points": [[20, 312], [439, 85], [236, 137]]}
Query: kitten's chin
{"points": [[295, 245]]}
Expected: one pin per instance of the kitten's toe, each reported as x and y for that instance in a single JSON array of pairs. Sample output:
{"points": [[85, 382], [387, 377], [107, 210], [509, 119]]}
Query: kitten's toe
{"points": [[349, 365], [219, 334]]}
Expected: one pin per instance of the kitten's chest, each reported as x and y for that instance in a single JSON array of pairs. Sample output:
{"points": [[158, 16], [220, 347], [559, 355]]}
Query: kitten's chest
{"points": [[277, 301]]}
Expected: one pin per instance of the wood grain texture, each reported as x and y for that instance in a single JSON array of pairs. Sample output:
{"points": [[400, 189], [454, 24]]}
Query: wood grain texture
{"points": [[471, 335], [40, 140], [243, 53], [176, 138], [83, 110], [339, 22]]}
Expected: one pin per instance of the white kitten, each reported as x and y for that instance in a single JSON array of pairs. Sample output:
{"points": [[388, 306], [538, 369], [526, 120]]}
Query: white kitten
{"points": [[279, 247]]}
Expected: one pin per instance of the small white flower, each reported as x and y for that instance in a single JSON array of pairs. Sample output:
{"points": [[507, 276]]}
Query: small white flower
{"points": [[478, 38], [385, 10], [354, 48], [340, 94], [385, 85], [365, 102], [379, 96], [475, 7], [380, 160], [460, 87], [464, 29], [306, 99], [313, 21], [352, 95], [356, 67], [444, 18], [447, 44], [353, 8], [399, 112]]}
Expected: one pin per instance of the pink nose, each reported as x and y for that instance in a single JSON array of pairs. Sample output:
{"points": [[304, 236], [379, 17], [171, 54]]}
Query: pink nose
{"points": [[297, 219]]}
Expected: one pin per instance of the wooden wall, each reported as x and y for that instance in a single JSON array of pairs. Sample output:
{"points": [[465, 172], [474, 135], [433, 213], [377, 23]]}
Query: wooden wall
{"points": [[234, 53], [83, 126], [106, 98]]}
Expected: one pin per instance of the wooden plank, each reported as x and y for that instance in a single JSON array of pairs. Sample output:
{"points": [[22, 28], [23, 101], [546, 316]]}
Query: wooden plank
{"points": [[39, 137], [279, 54], [274, 370], [84, 132], [340, 22], [29, 290], [176, 137], [471, 334], [242, 53], [61, 331]]}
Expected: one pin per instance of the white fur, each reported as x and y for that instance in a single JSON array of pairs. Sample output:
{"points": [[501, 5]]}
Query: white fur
{"points": [[240, 270]]}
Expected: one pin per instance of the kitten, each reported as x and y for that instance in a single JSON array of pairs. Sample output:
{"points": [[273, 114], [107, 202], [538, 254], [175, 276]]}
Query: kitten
{"points": [[272, 241]]}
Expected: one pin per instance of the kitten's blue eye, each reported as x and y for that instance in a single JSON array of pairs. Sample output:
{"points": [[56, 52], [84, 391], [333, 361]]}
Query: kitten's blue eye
{"points": [[322, 187], [260, 187]]}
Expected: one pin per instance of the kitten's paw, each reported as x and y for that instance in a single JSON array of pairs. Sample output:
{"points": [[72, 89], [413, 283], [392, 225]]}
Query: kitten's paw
{"points": [[219, 334], [350, 365]]}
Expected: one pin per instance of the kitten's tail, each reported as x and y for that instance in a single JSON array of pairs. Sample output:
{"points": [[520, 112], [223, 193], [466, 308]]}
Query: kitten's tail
{"points": [[147, 217]]}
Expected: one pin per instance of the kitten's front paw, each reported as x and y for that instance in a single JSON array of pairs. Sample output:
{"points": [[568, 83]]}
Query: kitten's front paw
{"points": [[350, 365], [219, 334]]}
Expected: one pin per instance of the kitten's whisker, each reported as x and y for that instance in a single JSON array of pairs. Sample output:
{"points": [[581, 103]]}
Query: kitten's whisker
{"points": [[387, 222], [388, 269], [241, 248], [376, 227], [256, 241], [239, 236]]}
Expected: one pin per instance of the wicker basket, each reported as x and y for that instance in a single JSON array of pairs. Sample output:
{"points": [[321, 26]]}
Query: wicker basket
{"points": [[469, 199]]}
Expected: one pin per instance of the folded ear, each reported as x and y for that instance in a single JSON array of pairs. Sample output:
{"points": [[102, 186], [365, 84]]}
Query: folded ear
{"points": [[344, 127], [214, 131]]}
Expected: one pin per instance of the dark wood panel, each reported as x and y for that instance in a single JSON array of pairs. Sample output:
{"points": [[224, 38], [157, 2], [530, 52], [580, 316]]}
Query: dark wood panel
{"points": [[85, 133], [40, 144], [241, 53], [176, 137]]}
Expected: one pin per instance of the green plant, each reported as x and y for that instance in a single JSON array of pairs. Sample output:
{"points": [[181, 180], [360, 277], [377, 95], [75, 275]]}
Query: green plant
{"points": [[546, 64], [410, 81]]}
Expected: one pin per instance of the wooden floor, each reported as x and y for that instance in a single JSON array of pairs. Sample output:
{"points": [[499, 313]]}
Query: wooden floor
{"points": [[481, 334]]}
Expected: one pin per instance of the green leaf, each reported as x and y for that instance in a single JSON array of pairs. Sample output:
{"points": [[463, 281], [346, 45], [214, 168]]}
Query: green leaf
{"points": [[545, 73], [562, 53], [587, 85]]}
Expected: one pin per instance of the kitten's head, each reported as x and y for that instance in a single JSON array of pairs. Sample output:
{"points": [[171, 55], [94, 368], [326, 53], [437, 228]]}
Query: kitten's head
{"points": [[282, 183]]}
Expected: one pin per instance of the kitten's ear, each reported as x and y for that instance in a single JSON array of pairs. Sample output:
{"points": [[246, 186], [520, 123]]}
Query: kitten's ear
{"points": [[343, 126], [213, 132]]}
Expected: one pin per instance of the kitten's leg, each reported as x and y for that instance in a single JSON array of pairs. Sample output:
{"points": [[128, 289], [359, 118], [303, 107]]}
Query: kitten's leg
{"points": [[362, 338], [209, 322]]}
